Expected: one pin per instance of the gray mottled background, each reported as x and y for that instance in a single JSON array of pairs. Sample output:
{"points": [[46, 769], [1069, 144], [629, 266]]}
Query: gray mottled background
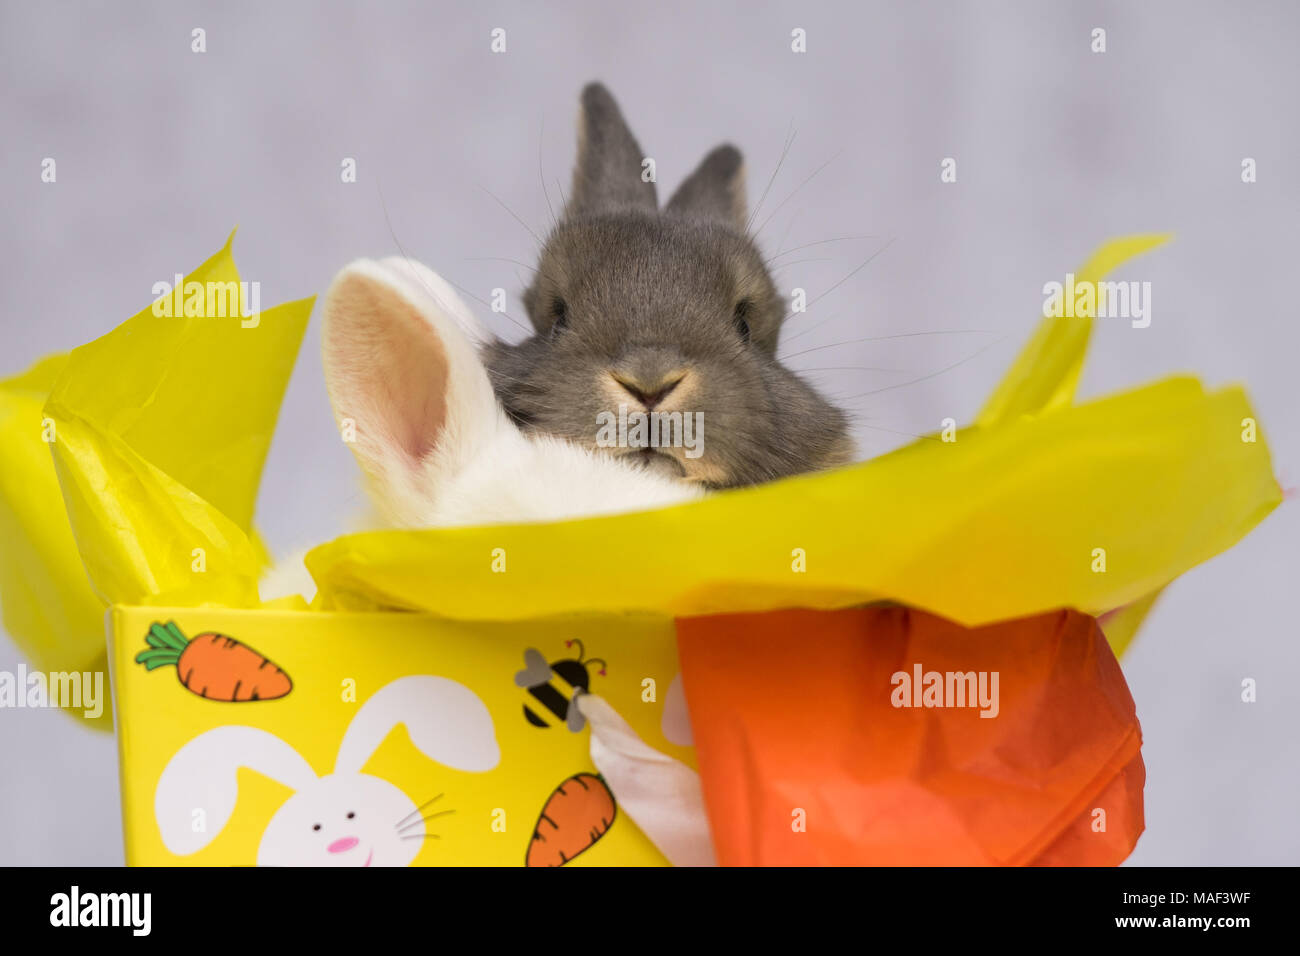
{"points": [[161, 151]]}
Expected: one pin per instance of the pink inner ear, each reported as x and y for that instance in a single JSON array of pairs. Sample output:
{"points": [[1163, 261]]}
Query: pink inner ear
{"points": [[394, 365]]}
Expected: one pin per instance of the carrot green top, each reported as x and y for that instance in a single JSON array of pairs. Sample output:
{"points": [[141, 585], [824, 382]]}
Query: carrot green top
{"points": [[166, 644]]}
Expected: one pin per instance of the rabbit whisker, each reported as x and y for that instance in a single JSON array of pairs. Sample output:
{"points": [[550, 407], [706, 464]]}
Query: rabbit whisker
{"points": [[894, 431], [541, 244], [498, 259], [819, 242], [866, 262], [482, 301], [795, 191], [812, 328], [397, 242], [541, 175], [924, 378], [790, 136], [512, 213], [882, 338], [799, 262], [854, 368], [522, 382], [786, 234]]}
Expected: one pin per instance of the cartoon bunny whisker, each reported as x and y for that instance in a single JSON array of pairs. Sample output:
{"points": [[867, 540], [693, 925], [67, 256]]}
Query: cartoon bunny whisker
{"points": [[427, 803], [408, 827]]}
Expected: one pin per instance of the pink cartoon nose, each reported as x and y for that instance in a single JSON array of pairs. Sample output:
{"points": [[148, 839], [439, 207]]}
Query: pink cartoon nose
{"points": [[346, 843]]}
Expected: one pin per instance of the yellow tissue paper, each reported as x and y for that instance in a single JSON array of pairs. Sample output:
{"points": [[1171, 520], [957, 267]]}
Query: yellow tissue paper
{"points": [[1046, 373], [163, 428], [158, 432], [1001, 523], [46, 599]]}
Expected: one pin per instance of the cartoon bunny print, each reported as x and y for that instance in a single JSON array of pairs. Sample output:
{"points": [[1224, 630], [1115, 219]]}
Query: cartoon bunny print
{"points": [[346, 818]]}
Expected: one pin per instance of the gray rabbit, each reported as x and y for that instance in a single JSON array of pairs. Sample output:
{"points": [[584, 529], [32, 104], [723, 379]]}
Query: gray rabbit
{"points": [[668, 312], [664, 311]]}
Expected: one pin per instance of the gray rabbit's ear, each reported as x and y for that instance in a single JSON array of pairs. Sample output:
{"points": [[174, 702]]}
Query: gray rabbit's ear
{"points": [[715, 191], [607, 176]]}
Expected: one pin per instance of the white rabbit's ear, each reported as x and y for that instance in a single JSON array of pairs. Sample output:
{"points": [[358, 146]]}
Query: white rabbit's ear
{"points": [[198, 788], [447, 722], [408, 388], [428, 284]]}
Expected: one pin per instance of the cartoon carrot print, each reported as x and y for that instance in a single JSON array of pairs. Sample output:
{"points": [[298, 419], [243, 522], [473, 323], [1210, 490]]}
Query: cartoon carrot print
{"points": [[577, 814], [214, 666]]}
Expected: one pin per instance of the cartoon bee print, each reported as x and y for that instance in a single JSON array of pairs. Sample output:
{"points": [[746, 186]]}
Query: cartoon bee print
{"points": [[554, 687]]}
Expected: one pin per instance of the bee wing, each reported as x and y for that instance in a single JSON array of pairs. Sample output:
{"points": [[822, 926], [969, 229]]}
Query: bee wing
{"points": [[575, 721], [536, 670]]}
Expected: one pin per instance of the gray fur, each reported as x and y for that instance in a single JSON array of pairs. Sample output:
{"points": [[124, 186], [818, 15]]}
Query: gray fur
{"points": [[716, 190], [648, 292], [607, 175]]}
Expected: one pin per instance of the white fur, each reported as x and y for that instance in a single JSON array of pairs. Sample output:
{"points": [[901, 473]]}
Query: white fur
{"points": [[483, 469], [480, 468]]}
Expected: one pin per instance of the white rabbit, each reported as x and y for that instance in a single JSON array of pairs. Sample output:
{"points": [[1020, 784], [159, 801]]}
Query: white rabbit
{"points": [[411, 395], [404, 375], [346, 818], [412, 398]]}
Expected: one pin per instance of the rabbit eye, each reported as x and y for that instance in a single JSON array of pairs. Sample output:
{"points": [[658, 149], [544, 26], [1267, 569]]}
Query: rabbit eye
{"points": [[315, 826], [559, 314], [738, 318], [351, 814]]}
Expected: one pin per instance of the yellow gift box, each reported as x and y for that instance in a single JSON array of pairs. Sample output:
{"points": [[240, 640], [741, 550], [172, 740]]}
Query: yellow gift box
{"points": [[481, 803], [446, 730]]}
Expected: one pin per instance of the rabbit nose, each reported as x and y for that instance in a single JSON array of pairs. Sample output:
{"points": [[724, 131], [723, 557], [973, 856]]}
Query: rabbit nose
{"points": [[651, 394], [340, 845]]}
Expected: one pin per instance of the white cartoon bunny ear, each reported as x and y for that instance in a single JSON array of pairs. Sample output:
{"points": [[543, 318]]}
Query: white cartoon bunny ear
{"points": [[198, 788], [447, 722], [405, 379]]}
